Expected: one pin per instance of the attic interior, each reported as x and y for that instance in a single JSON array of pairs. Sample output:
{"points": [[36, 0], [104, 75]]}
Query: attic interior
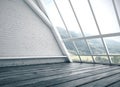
{"points": [[59, 43]]}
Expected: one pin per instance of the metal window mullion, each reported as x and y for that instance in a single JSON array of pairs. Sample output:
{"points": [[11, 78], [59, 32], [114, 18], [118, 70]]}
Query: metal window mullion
{"points": [[77, 50], [58, 38], [92, 37], [114, 54], [102, 55], [67, 29], [81, 29], [90, 51], [116, 12], [107, 52], [62, 18]]}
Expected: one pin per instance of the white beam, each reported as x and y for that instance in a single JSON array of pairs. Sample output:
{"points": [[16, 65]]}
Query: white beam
{"points": [[44, 18]]}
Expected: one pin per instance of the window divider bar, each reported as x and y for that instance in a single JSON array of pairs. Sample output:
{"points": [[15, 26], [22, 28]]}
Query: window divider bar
{"points": [[77, 50], [62, 18], [107, 52], [116, 12], [67, 29], [96, 36], [81, 29]]}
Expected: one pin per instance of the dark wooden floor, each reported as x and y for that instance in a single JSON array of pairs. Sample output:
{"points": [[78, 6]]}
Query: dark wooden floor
{"points": [[61, 75]]}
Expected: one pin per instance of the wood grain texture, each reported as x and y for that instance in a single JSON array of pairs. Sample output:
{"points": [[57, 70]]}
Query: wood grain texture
{"points": [[60, 75]]}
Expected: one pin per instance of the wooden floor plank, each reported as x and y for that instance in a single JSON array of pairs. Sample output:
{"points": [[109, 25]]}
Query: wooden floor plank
{"points": [[60, 75], [115, 84], [69, 77], [103, 82], [87, 79], [65, 77], [12, 68], [45, 68], [26, 68], [41, 75]]}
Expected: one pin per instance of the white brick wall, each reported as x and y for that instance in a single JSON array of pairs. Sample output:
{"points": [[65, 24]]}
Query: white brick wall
{"points": [[22, 32]]}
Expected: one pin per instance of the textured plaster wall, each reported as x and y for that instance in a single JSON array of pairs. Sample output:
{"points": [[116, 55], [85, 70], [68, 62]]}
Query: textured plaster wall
{"points": [[22, 32]]}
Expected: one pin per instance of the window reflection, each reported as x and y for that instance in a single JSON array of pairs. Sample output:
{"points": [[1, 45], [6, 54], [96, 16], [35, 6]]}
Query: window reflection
{"points": [[113, 44], [115, 59], [101, 59], [86, 58], [72, 51], [82, 47], [96, 46], [62, 31]]}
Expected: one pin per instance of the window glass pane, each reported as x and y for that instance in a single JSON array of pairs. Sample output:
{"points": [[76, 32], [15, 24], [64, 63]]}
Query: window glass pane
{"points": [[55, 18], [82, 47], [69, 17], [96, 46], [113, 44], [85, 17], [115, 59], [72, 51], [75, 58], [62, 31], [86, 58], [105, 15], [101, 59]]}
